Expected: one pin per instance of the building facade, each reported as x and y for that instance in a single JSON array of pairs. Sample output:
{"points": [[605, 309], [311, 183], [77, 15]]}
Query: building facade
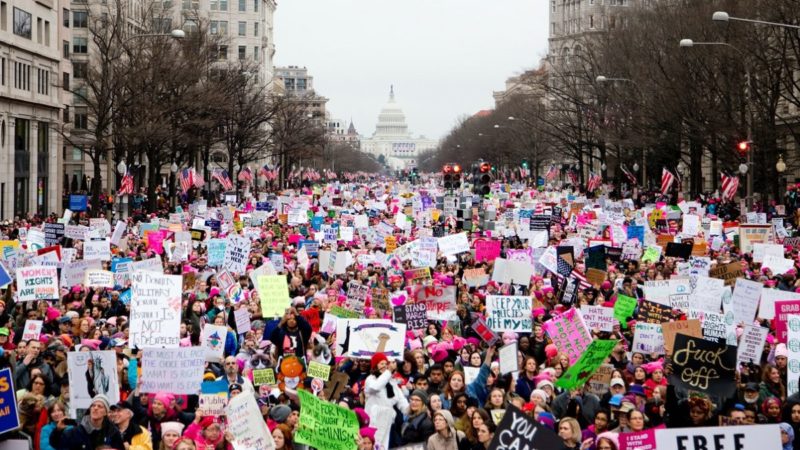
{"points": [[32, 106], [337, 133], [392, 142], [296, 82]]}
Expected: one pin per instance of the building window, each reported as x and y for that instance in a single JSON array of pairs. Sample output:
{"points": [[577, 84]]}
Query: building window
{"points": [[222, 52], [79, 95], [3, 15], [80, 45], [79, 69], [242, 52], [65, 17], [80, 19], [591, 21], [66, 114], [3, 72], [43, 81], [255, 54], [255, 5], [553, 5], [47, 33], [255, 29], [23, 23], [22, 76], [242, 5], [219, 27], [242, 28], [190, 4], [77, 154], [190, 26], [223, 5], [65, 77], [81, 120]]}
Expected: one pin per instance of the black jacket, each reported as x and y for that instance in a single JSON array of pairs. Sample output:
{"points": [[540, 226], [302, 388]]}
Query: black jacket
{"points": [[80, 438], [418, 429]]}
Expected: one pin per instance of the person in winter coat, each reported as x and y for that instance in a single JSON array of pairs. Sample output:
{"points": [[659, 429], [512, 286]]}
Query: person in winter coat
{"points": [[478, 388], [418, 426], [382, 396], [54, 414], [292, 334], [134, 435], [446, 437], [95, 430], [161, 408], [205, 431]]}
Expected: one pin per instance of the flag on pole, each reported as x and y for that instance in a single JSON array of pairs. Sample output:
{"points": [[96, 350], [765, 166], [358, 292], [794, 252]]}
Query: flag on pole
{"points": [[730, 185], [552, 173], [629, 175], [186, 178], [126, 185], [221, 175], [593, 182], [667, 179], [246, 175], [573, 176]]}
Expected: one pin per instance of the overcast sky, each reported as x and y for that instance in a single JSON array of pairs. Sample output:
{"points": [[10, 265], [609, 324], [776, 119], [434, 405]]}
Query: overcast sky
{"points": [[444, 57]]}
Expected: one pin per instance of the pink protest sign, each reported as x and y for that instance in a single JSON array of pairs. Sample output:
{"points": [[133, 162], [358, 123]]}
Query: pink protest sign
{"points": [[641, 440], [569, 333], [486, 250], [440, 301], [782, 309], [155, 241]]}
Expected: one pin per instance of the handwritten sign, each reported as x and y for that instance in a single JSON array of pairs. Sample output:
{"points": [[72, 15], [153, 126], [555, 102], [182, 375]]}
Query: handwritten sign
{"points": [[579, 373], [326, 425], [155, 310], [318, 370], [274, 294], [440, 301], [37, 283], [175, 370], [99, 278], [598, 317], [414, 315], [33, 328], [264, 376], [700, 365], [246, 424], [569, 333], [509, 313], [237, 251]]}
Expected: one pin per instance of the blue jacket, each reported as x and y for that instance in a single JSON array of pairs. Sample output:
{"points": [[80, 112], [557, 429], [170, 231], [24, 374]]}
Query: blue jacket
{"points": [[478, 389]]}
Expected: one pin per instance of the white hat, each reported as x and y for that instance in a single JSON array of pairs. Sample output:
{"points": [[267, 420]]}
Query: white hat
{"points": [[617, 382]]}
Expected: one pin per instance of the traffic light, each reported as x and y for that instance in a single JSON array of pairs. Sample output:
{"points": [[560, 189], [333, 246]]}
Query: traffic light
{"points": [[483, 179], [451, 175], [742, 147]]}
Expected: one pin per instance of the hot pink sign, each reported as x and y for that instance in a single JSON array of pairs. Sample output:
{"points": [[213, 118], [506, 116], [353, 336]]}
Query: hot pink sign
{"points": [[642, 440], [486, 250], [782, 309], [569, 333]]}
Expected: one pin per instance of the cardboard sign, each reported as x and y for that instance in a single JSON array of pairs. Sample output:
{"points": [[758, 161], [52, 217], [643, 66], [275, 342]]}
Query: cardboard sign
{"points": [[703, 366], [596, 276], [600, 381], [727, 272], [742, 437], [691, 327], [509, 313]]}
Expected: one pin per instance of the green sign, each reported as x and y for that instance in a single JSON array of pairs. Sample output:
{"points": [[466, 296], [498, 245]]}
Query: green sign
{"points": [[623, 309], [579, 373], [318, 370], [325, 425], [263, 376], [338, 311]]}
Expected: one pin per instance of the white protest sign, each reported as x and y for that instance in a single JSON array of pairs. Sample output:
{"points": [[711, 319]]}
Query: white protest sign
{"points": [[510, 271], [99, 278], [119, 231], [37, 283], [745, 298], [598, 317], [148, 265], [440, 301], [155, 310], [74, 273], [648, 339], [213, 341], [742, 437], [175, 370], [246, 424], [508, 358], [766, 310], [509, 313], [237, 252], [76, 232], [242, 320], [793, 345], [660, 291], [707, 294], [751, 345], [97, 249], [33, 328], [777, 264], [453, 244], [762, 250]]}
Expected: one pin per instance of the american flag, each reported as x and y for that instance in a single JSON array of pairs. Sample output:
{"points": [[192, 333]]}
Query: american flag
{"points": [[593, 182], [730, 185], [187, 179], [269, 172], [552, 173], [221, 175], [246, 175], [667, 179], [126, 185], [573, 176], [629, 175], [578, 275]]}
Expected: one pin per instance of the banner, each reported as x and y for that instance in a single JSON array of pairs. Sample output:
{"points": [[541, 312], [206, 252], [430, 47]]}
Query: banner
{"points": [[37, 283], [274, 294], [440, 301], [569, 333], [325, 425], [155, 310], [237, 252], [175, 370], [579, 373], [518, 431], [90, 374], [742, 437], [365, 337], [9, 417], [509, 313], [245, 423], [700, 365]]}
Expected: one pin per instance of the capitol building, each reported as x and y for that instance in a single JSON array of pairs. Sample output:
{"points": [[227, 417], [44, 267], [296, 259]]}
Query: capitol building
{"points": [[393, 141]]}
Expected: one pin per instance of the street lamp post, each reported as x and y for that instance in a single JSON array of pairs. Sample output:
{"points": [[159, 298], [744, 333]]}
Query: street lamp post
{"points": [[688, 43], [722, 16], [122, 168]]}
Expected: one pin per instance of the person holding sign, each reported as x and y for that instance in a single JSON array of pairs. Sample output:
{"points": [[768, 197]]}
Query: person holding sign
{"points": [[382, 397]]}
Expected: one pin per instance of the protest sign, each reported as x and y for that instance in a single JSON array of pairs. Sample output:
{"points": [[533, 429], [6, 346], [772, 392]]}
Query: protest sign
{"points": [[509, 313], [32, 330], [517, 431], [716, 327], [237, 251], [508, 358], [326, 425], [751, 345], [782, 309], [53, 232], [9, 417], [216, 252], [742, 437], [510, 271], [745, 300], [484, 332], [213, 340], [92, 373], [707, 293], [652, 312], [486, 250], [623, 308], [356, 296], [214, 397], [74, 273], [274, 294], [476, 277], [599, 383], [242, 316], [598, 317], [414, 315], [648, 339], [175, 370], [97, 249], [5, 276], [727, 272], [793, 345], [690, 327], [155, 310], [365, 337], [569, 333], [119, 231], [75, 232], [638, 440], [246, 424], [148, 265], [660, 291], [752, 234], [453, 244], [579, 373], [440, 301], [264, 376], [99, 278], [595, 276], [37, 283], [766, 309], [318, 370], [700, 365]]}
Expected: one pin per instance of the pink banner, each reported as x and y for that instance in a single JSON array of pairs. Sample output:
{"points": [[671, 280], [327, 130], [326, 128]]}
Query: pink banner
{"points": [[155, 241], [642, 440], [782, 309], [486, 250], [569, 333]]}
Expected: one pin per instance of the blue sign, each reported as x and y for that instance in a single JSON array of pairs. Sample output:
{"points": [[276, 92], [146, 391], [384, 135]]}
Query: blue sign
{"points": [[635, 231], [9, 419], [540, 181], [213, 224], [78, 202], [115, 262], [5, 278], [125, 296], [312, 247], [263, 206], [316, 222]]}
